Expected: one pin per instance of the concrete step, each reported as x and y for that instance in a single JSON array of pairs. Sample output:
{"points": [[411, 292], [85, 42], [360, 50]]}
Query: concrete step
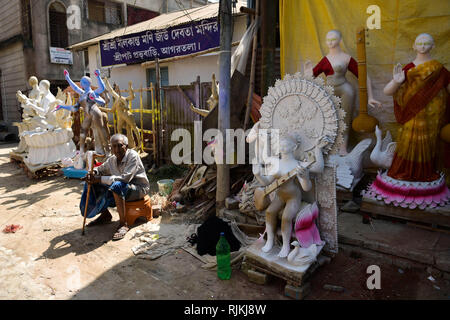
{"points": [[396, 241]]}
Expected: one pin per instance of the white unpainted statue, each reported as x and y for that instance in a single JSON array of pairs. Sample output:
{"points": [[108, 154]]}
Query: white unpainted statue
{"points": [[335, 65], [288, 196]]}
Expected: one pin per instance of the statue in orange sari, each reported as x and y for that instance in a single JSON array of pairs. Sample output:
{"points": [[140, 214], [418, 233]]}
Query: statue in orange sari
{"points": [[421, 105]]}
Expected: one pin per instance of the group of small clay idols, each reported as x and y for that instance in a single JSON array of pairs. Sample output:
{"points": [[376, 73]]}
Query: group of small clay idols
{"points": [[43, 112]]}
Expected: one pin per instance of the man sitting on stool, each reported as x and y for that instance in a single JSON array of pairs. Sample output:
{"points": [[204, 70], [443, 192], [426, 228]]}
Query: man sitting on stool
{"points": [[120, 178]]}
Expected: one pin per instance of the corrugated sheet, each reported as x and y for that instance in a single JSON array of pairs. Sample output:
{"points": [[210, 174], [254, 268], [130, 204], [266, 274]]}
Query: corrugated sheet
{"points": [[177, 113], [160, 22]]}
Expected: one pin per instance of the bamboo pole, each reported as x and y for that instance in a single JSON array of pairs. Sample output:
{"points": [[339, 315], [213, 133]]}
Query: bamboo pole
{"points": [[141, 107], [153, 123], [160, 108]]}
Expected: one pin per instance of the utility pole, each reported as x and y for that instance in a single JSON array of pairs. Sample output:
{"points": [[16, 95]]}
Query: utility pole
{"points": [[223, 171]]}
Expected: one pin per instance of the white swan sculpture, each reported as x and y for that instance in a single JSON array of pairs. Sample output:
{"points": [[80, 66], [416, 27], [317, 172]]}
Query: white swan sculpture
{"points": [[383, 152]]}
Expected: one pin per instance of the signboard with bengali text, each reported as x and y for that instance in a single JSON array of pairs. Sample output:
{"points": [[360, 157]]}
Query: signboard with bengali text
{"points": [[186, 39]]}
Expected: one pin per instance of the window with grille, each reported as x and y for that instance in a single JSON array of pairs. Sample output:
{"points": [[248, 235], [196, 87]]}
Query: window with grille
{"points": [[105, 11], [58, 28], [96, 11], [113, 12]]}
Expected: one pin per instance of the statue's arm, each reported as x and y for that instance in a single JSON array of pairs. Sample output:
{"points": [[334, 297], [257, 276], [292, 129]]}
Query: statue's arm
{"points": [[97, 99], [38, 109], [372, 102], [72, 84], [319, 164], [201, 112], [266, 179], [103, 109], [397, 80], [73, 108], [131, 96], [101, 84], [110, 89], [304, 180], [253, 134]]}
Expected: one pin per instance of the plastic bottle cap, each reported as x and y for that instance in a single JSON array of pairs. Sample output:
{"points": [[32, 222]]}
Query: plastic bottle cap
{"points": [[222, 233]]}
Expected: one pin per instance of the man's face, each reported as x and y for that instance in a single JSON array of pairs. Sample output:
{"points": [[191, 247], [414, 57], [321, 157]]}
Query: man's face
{"points": [[118, 148]]}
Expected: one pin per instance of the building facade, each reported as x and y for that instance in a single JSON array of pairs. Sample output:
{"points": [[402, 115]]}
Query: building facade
{"points": [[35, 33]]}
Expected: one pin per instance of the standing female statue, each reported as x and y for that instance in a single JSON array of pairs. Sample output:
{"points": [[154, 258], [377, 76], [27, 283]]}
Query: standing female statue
{"points": [[335, 65], [420, 90], [89, 100]]}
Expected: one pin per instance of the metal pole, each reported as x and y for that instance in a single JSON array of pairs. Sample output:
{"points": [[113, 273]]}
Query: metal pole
{"points": [[223, 171], [160, 110]]}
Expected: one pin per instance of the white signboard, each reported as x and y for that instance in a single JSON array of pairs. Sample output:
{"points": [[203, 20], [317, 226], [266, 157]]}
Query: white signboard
{"points": [[61, 56]]}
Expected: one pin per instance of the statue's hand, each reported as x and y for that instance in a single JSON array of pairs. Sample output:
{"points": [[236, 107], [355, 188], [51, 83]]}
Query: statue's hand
{"points": [[374, 103], [308, 68], [398, 74], [21, 97], [322, 142], [302, 172], [97, 72], [66, 74]]}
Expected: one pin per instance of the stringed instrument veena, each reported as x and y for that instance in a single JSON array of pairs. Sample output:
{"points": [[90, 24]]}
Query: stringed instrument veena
{"points": [[261, 194], [363, 122]]}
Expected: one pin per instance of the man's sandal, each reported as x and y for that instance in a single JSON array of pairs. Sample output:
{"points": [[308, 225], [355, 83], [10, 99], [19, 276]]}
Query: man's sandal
{"points": [[120, 233]]}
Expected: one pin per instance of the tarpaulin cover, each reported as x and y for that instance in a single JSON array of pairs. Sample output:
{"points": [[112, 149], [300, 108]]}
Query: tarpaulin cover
{"points": [[305, 23]]}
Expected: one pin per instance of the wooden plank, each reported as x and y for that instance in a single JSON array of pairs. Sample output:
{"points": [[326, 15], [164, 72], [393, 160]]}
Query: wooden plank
{"points": [[250, 228], [439, 216], [343, 195], [280, 268]]}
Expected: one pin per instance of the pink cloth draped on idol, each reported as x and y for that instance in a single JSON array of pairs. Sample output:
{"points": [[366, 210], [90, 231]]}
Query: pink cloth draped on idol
{"points": [[305, 227]]}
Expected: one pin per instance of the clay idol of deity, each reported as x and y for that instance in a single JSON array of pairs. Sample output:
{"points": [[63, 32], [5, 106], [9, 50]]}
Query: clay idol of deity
{"points": [[335, 66], [422, 153]]}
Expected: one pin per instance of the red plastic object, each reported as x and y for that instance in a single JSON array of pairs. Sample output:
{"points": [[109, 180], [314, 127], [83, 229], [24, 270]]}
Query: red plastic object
{"points": [[12, 228]]}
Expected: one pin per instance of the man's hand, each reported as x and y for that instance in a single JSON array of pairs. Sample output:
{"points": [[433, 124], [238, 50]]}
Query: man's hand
{"points": [[92, 178]]}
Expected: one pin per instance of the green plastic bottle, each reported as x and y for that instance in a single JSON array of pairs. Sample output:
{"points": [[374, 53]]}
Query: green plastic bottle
{"points": [[223, 258]]}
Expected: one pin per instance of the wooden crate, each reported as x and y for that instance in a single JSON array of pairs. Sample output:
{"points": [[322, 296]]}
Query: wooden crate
{"points": [[297, 284]]}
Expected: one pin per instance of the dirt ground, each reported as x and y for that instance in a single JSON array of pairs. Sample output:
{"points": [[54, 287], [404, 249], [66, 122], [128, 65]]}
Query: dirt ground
{"points": [[49, 258]]}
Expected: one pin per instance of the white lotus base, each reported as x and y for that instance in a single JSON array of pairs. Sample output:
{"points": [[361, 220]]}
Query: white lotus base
{"points": [[45, 147]]}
